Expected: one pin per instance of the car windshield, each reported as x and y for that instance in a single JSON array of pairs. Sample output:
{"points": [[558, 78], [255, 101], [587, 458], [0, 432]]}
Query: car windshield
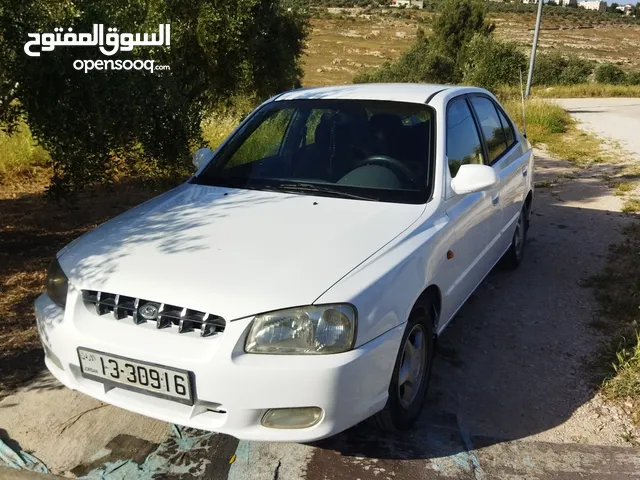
{"points": [[371, 150]]}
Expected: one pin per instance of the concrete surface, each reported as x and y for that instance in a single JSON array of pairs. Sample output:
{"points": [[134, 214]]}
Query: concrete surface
{"points": [[510, 396], [614, 118], [12, 474], [62, 428]]}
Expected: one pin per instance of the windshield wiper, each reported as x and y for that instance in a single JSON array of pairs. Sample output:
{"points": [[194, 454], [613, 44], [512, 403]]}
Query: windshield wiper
{"points": [[321, 189]]}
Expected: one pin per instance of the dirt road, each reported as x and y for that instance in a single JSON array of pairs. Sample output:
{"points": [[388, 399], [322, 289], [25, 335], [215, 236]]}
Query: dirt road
{"points": [[510, 397]]}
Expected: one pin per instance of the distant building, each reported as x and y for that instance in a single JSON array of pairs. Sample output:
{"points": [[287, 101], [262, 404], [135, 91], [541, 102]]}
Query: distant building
{"points": [[408, 3], [626, 9], [596, 5], [568, 3]]}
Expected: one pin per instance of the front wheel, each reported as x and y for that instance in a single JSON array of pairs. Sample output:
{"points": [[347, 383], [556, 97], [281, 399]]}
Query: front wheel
{"points": [[515, 254], [411, 374]]}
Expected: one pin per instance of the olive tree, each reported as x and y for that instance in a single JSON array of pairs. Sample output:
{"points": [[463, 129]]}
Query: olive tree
{"points": [[98, 123]]}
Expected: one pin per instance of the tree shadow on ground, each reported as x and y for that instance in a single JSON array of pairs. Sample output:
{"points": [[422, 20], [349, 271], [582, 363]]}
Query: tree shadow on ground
{"points": [[32, 230]]}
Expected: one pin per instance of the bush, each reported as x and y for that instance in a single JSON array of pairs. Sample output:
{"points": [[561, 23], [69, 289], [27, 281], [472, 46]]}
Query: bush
{"points": [[422, 63], [611, 74], [490, 63], [633, 78], [556, 69], [577, 70], [439, 58]]}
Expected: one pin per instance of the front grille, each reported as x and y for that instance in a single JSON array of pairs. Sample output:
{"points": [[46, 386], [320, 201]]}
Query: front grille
{"points": [[165, 316]]}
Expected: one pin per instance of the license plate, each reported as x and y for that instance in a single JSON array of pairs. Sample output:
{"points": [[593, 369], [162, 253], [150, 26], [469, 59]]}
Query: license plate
{"points": [[165, 382]]}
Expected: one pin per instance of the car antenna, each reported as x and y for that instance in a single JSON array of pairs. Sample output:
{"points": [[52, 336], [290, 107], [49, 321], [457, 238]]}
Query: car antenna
{"points": [[524, 110]]}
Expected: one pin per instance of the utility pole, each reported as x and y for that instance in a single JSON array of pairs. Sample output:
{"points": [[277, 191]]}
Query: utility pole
{"points": [[533, 48]]}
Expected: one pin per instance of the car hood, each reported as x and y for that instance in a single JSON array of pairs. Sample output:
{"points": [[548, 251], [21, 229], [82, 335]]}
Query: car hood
{"points": [[232, 252]]}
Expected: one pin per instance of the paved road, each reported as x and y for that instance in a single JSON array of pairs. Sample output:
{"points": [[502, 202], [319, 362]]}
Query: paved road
{"points": [[614, 118]]}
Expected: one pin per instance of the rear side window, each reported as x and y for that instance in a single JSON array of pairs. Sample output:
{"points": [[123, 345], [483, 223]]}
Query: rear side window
{"points": [[508, 130], [494, 135], [463, 141]]}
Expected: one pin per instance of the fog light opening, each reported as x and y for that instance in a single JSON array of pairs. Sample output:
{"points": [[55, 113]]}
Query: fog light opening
{"points": [[303, 417]]}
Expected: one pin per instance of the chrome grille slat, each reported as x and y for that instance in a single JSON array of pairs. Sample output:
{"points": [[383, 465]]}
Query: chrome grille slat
{"points": [[185, 319]]}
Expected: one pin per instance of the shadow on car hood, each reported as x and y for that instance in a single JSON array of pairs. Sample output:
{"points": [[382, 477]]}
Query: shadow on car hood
{"points": [[232, 252]]}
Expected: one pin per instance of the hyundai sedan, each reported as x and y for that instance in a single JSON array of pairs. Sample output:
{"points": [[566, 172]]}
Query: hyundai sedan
{"points": [[297, 283]]}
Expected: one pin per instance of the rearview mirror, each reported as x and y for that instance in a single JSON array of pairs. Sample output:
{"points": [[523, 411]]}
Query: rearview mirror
{"points": [[474, 178], [201, 157]]}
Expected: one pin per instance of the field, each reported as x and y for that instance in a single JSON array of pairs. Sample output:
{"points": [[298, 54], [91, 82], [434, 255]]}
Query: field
{"points": [[348, 40]]}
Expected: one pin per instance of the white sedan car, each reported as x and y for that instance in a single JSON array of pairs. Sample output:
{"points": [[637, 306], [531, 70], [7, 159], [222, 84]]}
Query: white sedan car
{"points": [[296, 284]]}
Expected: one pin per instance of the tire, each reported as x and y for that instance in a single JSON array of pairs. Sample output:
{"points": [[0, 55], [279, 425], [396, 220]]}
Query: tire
{"points": [[404, 404], [515, 254]]}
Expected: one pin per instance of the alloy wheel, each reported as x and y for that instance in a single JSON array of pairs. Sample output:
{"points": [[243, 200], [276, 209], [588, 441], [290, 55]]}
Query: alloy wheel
{"points": [[412, 365]]}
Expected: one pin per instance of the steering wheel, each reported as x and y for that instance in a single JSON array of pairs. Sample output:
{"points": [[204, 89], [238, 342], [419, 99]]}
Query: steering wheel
{"points": [[391, 163]]}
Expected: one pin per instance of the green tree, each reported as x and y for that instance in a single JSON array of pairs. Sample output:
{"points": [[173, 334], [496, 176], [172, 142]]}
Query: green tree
{"points": [[422, 63], [556, 69], [610, 73], [490, 63], [98, 123], [458, 22], [441, 57], [613, 8]]}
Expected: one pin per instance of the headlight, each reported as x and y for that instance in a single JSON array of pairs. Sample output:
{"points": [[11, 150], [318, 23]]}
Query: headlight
{"points": [[57, 284], [303, 330]]}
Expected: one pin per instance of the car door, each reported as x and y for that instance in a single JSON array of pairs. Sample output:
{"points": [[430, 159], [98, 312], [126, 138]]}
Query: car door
{"points": [[471, 215], [503, 155]]}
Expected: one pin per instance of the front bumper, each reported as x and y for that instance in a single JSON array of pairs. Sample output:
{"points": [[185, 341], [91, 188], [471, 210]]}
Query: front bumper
{"points": [[233, 389]]}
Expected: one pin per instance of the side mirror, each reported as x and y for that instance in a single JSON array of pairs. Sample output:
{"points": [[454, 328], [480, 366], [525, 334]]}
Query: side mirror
{"points": [[474, 178], [201, 157]]}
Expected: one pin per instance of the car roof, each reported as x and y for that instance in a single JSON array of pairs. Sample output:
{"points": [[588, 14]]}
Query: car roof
{"points": [[395, 92]]}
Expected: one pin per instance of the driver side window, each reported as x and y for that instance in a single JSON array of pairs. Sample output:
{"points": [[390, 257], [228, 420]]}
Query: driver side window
{"points": [[463, 141]]}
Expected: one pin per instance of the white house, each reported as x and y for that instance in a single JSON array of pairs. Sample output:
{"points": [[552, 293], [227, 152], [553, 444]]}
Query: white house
{"points": [[408, 3], [596, 5], [626, 9]]}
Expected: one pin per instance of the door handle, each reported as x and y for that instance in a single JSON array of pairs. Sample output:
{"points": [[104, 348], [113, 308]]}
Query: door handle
{"points": [[495, 200], [524, 172]]}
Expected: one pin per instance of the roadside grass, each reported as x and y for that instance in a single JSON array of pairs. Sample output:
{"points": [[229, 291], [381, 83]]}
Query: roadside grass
{"points": [[617, 289], [584, 90], [623, 188], [587, 90], [19, 154], [631, 205], [550, 125]]}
